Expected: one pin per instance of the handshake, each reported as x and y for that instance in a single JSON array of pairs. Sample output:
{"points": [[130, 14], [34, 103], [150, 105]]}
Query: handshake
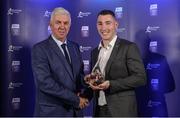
{"points": [[84, 102]]}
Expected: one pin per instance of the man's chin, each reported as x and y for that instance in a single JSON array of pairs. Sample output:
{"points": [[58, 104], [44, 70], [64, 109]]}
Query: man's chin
{"points": [[61, 38], [105, 38]]}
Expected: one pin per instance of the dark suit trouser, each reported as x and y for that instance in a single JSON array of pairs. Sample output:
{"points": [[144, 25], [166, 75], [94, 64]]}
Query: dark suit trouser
{"points": [[102, 111]]}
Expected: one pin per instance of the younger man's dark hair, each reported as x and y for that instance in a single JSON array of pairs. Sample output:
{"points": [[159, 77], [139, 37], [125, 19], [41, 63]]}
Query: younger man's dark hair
{"points": [[107, 12]]}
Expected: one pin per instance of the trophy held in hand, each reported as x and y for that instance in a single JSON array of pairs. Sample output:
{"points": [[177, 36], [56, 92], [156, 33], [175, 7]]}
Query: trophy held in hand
{"points": [[96, 77]]}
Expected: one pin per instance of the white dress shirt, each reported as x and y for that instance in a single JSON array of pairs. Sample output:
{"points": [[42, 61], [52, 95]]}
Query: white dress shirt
{"points": [[59, 43], [103, 58]]}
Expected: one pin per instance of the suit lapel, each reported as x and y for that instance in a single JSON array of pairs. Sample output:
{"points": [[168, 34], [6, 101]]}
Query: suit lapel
{"points": [[72, 56], [113, 55], [95, 56], [60, 54]]}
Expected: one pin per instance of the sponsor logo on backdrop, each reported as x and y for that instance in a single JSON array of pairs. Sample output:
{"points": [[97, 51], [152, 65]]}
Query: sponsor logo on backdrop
{"points": [[153, 46], [153, 103], [150, 29], [16, 66], [15, 29], [47, 13], [153, 9], [153, 43], [14, 11], [120, 30], [86, 65], [119, 12], [85, 48], [83, 14], [13, 85], [151, 66], [154, 84], [16, 103], [85, 31], [12, 48]]}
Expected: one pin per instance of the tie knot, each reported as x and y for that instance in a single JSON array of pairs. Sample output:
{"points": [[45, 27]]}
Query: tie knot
{"points": [[63, 45]]}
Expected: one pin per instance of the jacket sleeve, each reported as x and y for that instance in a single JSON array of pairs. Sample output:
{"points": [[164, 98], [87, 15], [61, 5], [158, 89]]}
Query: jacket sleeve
{"points": [[135, 69], [46, 81]]}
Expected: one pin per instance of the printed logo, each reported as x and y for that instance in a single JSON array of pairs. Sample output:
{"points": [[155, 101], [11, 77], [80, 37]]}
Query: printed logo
{"points": [[15, 29], [13, 11], [151, 66], [154, 84], [153, 9], [85, 31], [119, 12], [16, 103], [150, 29], [14, 85], [153, 103], [153, 46], [86, 65], [12, 48], [83, 14], [47, 14], [85, 48], [16, 66]]}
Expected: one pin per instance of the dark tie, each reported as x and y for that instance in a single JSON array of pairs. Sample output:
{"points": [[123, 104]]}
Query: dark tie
{"points": [[65, 53]]}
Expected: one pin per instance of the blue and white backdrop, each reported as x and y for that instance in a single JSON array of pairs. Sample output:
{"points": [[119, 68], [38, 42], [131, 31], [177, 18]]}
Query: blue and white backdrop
{"points": [[153, 24]]}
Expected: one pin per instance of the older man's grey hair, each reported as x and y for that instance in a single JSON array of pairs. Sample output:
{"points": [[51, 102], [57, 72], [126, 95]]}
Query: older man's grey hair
{"points": [[61, 11]]}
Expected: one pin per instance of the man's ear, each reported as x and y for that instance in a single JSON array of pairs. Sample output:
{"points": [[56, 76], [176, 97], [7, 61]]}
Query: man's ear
{"points": [[117, 24], [50, 24]]}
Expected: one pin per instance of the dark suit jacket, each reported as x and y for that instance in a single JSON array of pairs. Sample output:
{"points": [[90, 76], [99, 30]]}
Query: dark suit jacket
{"points": [[56, 82], [125, 71]]}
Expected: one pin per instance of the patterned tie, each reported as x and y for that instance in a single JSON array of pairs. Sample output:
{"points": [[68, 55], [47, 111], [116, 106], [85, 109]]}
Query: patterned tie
{"points": [[65, 53]]}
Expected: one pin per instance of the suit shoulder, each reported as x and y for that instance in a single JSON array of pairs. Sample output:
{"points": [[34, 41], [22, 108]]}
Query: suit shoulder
{"points": [[127, 42], [94, 49], [41, 44], [73, 43]]}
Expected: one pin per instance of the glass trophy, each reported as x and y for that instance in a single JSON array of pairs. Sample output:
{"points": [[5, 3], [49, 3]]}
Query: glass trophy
{"points": [[96, 76]]}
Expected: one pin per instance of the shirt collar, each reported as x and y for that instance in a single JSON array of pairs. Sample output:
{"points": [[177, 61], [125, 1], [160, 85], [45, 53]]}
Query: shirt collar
{"points": [[111, 43], [58, 41]]}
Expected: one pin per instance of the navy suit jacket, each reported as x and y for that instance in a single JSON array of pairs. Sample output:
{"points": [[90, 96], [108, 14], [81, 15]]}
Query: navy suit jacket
{"points": [[56, 81]]}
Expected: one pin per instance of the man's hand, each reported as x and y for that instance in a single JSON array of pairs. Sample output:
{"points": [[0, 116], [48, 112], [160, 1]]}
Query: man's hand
{"points": [[87, 78], [83, 102], [105, 85]]}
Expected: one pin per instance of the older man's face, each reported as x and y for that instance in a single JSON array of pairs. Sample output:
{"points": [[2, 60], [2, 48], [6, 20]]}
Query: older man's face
{"points": [[60, 25]]}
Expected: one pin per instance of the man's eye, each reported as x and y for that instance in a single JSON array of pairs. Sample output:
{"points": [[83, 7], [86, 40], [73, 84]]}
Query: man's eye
{"points": [[66, 23], [108, 23], [57, 22], [99, 23]]}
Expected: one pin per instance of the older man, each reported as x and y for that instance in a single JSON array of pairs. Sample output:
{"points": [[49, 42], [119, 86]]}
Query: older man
{"points": [[58, 70]]}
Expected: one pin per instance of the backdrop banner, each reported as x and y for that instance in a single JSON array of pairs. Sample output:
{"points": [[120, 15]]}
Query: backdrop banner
{"points": [[153, 24]]}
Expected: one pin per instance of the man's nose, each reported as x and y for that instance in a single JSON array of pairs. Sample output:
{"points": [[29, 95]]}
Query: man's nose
{"points": [[62, 25], [103, 27]]}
